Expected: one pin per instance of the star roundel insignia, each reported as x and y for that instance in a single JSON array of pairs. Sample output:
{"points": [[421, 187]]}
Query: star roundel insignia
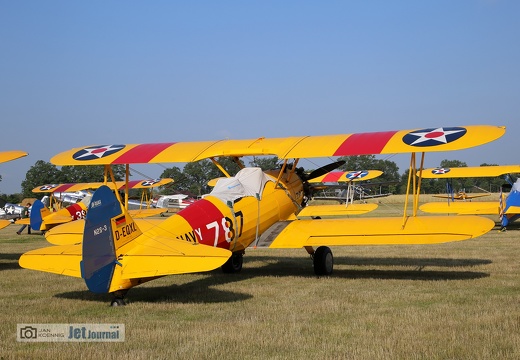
{"points": [[440, 171], [356, 174], [150, 182], [433, 137], [96, 152], [48, 187]]}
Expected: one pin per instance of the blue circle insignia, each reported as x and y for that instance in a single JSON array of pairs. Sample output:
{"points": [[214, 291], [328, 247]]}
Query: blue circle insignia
{"points": [[96, 152], [433, 136]]}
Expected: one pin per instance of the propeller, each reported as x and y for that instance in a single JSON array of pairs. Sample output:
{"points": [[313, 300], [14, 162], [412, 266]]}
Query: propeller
{"points": [[309, 189], [324, 170]]}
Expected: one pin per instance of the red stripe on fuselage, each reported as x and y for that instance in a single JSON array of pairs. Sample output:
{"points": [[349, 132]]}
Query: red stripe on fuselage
{"points": [[205, 219], [141, 153], [364, 143], [76, 211]]}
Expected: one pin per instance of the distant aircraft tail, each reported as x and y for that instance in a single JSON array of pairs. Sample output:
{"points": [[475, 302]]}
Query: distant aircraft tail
{"points": [[38, 212], [107, 228]]}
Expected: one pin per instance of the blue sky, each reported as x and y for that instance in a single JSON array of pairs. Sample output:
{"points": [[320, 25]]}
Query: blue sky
{"points": [[77, 73]]}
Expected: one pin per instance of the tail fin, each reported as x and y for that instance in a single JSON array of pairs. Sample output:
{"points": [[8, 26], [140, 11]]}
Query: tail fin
{"points": [[38, 212], [107, 228]]}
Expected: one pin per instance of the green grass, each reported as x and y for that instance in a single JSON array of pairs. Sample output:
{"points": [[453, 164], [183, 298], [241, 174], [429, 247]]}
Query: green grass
{"points": [[452, 301]]}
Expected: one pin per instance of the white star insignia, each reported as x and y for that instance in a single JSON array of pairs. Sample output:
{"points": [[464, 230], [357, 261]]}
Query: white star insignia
{"points": [[438, 134]]}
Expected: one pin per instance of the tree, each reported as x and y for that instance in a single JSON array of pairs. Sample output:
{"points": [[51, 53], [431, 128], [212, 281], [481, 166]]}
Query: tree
{"points": [[265, 163], [40, 173], [389, 179], [90, 173], [43, 172]]}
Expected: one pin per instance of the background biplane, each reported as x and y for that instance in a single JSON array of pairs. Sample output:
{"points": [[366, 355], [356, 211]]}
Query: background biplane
{"points": [[347, 188], [116, 254], [506, 207], [9, 210], [43, 218]]}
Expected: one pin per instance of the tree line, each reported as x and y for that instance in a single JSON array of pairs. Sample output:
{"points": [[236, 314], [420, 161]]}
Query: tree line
{"points": [[193, 178]]}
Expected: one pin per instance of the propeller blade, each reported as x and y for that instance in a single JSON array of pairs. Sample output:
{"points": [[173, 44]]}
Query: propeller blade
{"points": [[325, 169]]}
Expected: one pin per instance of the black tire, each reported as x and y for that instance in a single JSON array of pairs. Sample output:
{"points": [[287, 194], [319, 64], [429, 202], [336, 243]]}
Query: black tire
{"points": [[233, 264], [118, 302], [323, 261]]}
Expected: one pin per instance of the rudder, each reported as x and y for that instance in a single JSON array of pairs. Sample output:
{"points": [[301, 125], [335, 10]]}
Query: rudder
{"points": [[107, 228]]}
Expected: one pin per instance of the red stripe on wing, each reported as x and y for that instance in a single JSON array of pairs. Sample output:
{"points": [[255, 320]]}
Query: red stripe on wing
{"points": [[62, 188], [333, 176], [142, 153], [364, 143]]}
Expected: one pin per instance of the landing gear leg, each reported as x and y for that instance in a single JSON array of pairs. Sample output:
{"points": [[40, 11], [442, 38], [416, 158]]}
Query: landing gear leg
{"points": [[234, 263], [119, 298]]}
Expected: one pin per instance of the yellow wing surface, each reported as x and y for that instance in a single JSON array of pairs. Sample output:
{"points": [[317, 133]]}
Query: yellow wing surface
{"points": [[474, 208], [6, 156], [347, 176], [4, 223], [389, 142], [389, 231], [336, 210], [143, 258], [475, 171], [119, 185]]}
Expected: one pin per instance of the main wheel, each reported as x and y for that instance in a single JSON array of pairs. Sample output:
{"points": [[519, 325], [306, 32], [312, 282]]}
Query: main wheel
{"points": [[234, 263], [323, 261]]}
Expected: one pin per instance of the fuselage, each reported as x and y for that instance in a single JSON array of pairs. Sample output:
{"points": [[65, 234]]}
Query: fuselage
{"points": [[234, 226]]}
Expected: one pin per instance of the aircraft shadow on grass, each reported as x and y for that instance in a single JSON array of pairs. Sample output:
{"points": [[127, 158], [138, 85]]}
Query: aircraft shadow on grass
{"points": [[203, 291], [11, 261]]}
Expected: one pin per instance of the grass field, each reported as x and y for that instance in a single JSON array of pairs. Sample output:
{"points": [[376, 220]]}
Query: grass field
{"points": [[451, 301]]}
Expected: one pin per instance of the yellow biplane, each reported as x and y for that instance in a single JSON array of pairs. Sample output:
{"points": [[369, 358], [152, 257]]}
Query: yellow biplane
{"points": [[6, 156], [43, 218], [252, 207], [342, 179], [507, 208]]}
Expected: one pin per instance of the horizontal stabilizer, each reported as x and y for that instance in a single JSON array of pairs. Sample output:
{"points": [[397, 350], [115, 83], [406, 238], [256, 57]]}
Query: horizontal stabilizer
{"points": [[462, 208], [72, 232], [63, 260], [513, 210], [4, 223], [382, 231], [166, 256], [336, 210]]}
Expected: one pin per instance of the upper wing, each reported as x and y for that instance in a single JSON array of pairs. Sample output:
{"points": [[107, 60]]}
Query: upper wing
{"points": [[346, 176], [6, 156], [389, 142], [134, 184], [476, 171]]}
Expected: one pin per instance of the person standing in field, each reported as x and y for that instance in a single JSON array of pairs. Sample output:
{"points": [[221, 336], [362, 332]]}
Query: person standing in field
{"points": [[25, 214]]}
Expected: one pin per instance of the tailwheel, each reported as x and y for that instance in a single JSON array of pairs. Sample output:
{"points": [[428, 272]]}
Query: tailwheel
{"points": [[119, 298], [323, 261], [234, 263]]}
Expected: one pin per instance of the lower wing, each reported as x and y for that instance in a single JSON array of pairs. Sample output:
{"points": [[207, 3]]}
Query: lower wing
{"points": [[381, 231], [336, 210]]}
